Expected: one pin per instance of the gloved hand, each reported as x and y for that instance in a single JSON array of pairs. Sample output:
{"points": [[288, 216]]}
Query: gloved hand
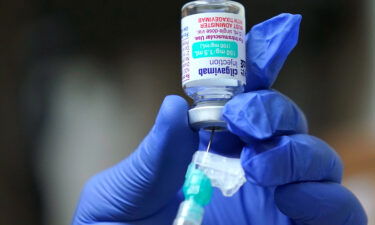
{"points": [[293, 178]]}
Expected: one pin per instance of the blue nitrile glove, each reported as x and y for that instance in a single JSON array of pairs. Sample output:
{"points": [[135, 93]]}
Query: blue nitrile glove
{"points": [[293, 178]]}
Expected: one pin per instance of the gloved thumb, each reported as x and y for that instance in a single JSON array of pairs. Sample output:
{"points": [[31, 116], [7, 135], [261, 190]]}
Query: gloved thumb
{"points": [[268, 45], [149, 178]]}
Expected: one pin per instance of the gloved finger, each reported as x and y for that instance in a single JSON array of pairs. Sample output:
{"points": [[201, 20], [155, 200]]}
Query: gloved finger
{"points": [[150, 177], [223, 143], [268, 45], [289, 159], [263, 114], [315, 203], [109, 223]]}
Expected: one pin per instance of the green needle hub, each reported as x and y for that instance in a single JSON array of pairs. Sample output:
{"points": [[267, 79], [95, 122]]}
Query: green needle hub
{"points": [[197, 186]]}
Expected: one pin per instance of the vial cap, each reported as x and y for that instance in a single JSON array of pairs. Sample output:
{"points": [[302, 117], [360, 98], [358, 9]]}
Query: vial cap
{"points": [[207, 117]]}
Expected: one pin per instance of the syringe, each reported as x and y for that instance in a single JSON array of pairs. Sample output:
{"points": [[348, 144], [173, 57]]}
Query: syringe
{"points": [[197, 191], [207, 170]]}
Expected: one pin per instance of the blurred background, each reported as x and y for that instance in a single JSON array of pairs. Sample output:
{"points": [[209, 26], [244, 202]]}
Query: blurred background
{"points": [[81, 82]]}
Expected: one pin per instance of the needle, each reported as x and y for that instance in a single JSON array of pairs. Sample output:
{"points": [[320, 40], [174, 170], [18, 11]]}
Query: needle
{"points": [[211, 137]]}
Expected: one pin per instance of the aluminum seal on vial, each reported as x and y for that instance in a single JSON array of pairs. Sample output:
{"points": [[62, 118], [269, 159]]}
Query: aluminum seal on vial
{"points": [[207, 117]]}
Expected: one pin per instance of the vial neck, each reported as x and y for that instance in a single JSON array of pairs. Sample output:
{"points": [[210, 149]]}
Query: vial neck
{"points": [[214, 1]]}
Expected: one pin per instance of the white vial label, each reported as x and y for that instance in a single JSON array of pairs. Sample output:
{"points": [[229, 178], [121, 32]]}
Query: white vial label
{"points": [[213, 48]]}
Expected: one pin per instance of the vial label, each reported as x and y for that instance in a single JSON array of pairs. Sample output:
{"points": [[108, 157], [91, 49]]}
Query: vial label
{"points": [[213, 46]]}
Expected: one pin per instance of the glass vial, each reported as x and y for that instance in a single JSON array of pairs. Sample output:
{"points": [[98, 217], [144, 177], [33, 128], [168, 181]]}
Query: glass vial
{"points": [[213, 58]]}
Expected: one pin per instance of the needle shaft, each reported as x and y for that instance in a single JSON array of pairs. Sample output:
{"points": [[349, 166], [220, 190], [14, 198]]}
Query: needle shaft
{"points": [[211, 138]]}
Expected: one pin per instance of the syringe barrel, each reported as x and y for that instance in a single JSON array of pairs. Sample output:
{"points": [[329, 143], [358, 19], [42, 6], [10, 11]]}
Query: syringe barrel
{"points": [[189, 213]]}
